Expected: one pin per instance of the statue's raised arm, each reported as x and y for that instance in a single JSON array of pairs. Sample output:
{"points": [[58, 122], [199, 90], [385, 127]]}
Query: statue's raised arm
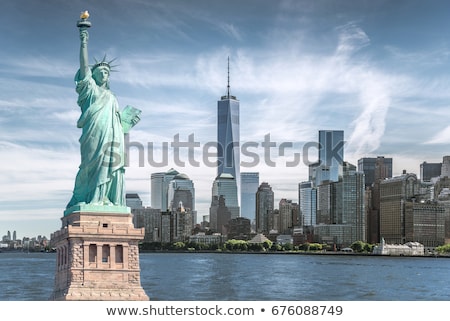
{"points": [[83, 25]]}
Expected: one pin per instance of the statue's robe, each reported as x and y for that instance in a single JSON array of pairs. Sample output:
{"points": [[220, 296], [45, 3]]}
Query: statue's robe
{"points": [[100, 179]]}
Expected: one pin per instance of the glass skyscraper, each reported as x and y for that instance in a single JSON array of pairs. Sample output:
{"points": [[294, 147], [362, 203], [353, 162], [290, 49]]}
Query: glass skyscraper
{"points": [[307, 201], [249, 187], [228, 150], [159, 188], [331, 157], [176, 192]]}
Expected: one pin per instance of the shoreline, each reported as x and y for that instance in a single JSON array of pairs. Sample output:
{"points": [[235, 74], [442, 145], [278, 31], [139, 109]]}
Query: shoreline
{"points": [[294, 253]]}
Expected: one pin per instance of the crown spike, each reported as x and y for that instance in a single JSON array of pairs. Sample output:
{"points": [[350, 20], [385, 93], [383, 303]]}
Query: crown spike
{"points": [[105, 63]]}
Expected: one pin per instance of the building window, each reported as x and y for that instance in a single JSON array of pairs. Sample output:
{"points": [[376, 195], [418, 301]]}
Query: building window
{"points": [[119, 254], [105, 253], [92, 253]]}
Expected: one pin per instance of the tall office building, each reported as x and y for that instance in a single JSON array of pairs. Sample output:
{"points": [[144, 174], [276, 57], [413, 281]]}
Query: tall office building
{"points": [[394, 193], [331, 152], [331, 157], [445, 170], [181, 189], [288, 216], [264, 208], [133, 200], [182, 223], [375, 168], [353, 207], [159, 188], [228, 150], [429, 171], [225, 186], [307, 198], [341, 209], [249, 187]]}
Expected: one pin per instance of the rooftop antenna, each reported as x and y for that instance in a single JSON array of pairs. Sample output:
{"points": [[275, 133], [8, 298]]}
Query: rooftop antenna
{"points": [[228, 95], [228, 86]]}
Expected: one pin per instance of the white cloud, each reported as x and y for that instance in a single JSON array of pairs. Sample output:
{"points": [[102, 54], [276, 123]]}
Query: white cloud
{"points": [[443, 137]]}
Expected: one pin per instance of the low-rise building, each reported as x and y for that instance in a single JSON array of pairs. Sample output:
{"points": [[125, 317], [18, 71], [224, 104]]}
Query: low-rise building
{"points": [[407, 249]]}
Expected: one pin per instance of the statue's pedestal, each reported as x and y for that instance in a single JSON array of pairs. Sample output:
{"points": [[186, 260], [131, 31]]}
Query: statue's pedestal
{"points": [[98, 257]]}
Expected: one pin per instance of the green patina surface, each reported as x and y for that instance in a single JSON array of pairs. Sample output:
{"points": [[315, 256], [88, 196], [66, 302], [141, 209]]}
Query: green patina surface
{"points": [[97, 208], [100, 183]]}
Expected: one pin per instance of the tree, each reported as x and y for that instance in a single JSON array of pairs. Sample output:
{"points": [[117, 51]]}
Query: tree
{"points": [[443, 248], [358, 246]]}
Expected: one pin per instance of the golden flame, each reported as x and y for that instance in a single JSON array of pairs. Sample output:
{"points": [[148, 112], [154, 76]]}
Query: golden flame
{"points": [[84, 15]]}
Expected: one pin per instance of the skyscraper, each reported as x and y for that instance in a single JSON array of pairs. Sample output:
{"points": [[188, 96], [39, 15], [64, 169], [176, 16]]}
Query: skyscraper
{"points": [[133, 200], [249, 187], [375, 168], [331, 157], [394, 194], [181, 189], [225, 186], [288, 217], [177, 188], [264, 208], [331, 152], [228, 151], [159, 188], [445, 169], [429, 171], [307, 203]]}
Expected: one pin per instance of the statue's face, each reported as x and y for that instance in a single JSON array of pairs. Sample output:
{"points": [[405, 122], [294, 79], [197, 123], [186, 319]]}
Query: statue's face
{"points": [[101, 75]]}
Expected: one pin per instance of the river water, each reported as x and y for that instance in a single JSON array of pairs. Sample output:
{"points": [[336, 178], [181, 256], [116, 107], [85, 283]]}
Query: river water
{"points": [[252, 277]]}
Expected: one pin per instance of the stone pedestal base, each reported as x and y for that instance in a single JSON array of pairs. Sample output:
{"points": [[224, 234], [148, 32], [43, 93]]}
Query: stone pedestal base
{"points": [[98, 258]]}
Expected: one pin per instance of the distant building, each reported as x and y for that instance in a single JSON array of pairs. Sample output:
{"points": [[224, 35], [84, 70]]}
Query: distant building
{"points": [[307, 196], [133, 201], [182, 222], [341, 209], [408, 249], [202, 238], [394, 193], [249, 187], [225, 185], [150, 219], [181, 189], [375, 168], [429, 171], [159, 188], [289, 216], [445, 169], [264, 208], [331, 157], [239, 228], [228, 149], [425, 223], [219, 215]]}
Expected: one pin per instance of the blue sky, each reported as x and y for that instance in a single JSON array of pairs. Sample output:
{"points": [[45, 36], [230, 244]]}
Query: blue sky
{"points": [[379, 70]]}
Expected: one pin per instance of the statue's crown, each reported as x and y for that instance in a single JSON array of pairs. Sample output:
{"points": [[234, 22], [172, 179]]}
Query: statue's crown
{"points": [[103, 63]]}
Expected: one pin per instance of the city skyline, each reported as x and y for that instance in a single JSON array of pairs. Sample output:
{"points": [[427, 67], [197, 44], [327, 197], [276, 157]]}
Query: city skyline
{"points": [[378, 71]]}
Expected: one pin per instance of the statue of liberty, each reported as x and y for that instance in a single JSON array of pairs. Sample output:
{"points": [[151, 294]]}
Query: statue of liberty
{"points": [[100, 178]]}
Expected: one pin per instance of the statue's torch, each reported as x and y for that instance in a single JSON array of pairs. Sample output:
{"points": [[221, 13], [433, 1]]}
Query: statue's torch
{"points": [[83, 23]]}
